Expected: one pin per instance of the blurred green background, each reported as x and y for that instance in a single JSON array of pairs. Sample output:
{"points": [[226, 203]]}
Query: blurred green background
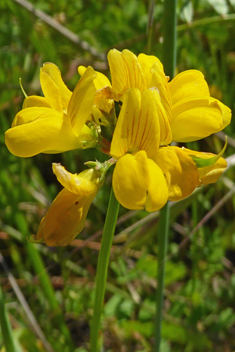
{"points": [[49, 292]]}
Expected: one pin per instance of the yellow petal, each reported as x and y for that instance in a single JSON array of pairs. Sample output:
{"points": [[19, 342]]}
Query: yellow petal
{"points": [[41, 130], [100, 81], [30, 114], [155, 77], [53, 87], [208, 174], [131, 180], [138, 182], [157, 190], [189, 83], [180, 171], [125, 71], [104, 99], [34, 100], [196, 118], [65, 218], [160, 81], [146, 62], [79, 108], [138, 124], [75, 183]]}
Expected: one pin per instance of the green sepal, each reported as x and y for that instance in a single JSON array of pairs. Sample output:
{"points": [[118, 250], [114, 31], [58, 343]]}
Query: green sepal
{"points": [[201, 162], [101, 167]]}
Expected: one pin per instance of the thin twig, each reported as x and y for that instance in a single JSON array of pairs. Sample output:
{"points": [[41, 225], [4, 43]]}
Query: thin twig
{"points": [[206, 21], [63, 30]]}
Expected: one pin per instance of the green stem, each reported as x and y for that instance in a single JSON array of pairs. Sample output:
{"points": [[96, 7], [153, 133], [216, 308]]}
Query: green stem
{"points": [[102, 268], [162, 250], [169, 62], [169, 36], [150, 26]]}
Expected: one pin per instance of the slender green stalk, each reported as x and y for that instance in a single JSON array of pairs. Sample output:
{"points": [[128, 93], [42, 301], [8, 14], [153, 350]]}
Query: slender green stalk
{"points": [[169, 37], [5, 327], [169, 62], [162, 251], [194, 247], [150, 26], [102, 268]]}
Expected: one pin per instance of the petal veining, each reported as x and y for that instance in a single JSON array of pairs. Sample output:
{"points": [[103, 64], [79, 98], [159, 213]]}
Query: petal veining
{"points": [[125, 71], [138, 124]]}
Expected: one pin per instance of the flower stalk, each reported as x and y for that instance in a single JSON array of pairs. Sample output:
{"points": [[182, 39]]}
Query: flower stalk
{"points": [[150, 26], [169, 62], [162, 251], [102, 268], [169, 36]]}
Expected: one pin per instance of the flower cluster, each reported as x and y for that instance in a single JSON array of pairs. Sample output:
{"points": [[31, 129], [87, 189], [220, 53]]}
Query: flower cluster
{"points": [[153, 112]]}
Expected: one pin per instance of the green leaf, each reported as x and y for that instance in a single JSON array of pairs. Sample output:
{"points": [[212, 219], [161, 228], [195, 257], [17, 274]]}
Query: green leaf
{"points": [[201, 162]]}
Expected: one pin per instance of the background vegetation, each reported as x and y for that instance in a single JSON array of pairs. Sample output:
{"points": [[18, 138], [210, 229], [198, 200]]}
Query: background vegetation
{"points": [[49, 292]]}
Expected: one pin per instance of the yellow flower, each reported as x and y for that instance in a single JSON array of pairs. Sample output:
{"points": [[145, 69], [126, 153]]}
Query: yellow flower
{"points": [[138, 136], [190, 110], [54, 123], [138, 182], [154, 112], [66, 216]]}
